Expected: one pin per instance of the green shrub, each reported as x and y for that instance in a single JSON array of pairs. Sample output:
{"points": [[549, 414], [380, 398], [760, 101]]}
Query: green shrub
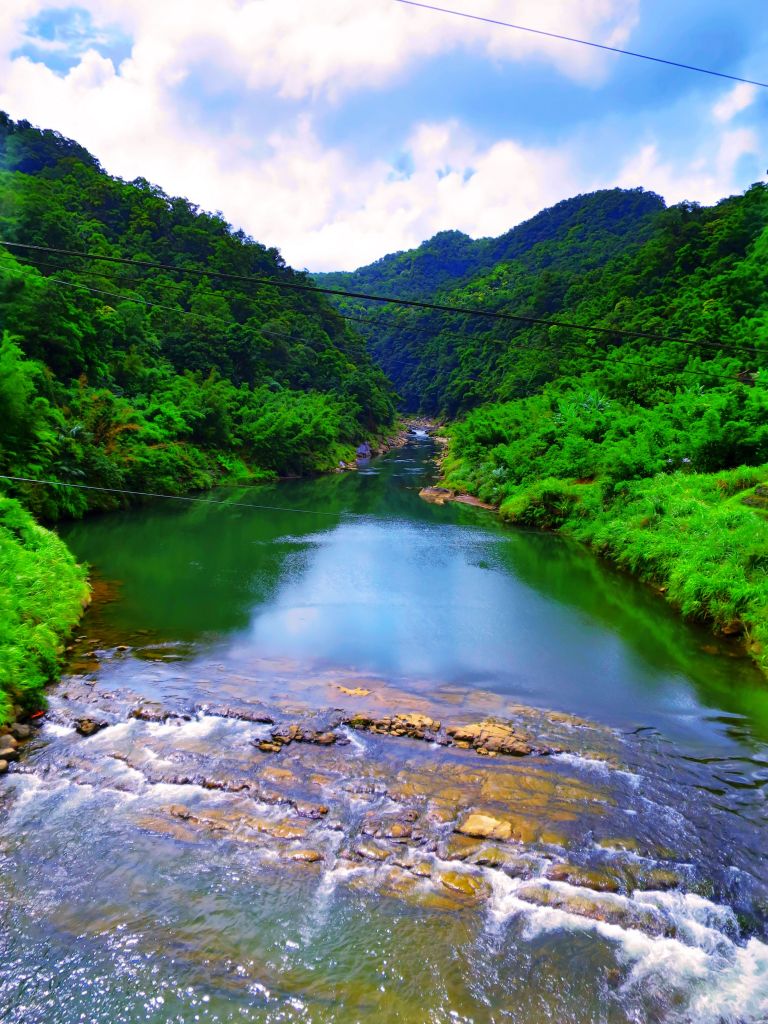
{"points": [[42, 594]]}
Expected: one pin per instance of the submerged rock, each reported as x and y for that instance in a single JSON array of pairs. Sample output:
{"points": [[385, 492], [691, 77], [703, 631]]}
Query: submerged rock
{"points": [[599, 879], [597, 906], [304, 856], [472, 885]]}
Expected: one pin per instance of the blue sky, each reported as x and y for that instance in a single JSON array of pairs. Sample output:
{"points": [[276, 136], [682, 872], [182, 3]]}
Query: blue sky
{"points": [[344, 130]]}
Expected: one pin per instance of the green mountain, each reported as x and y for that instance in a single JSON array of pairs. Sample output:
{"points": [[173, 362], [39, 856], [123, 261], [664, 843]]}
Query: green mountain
{"points": [[638, 421], [446, 364], [156, 379]]}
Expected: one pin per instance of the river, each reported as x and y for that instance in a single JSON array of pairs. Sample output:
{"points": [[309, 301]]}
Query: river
{"points": [[381, 760]]}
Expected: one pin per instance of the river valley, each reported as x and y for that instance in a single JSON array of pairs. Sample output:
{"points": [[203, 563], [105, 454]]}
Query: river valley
{"points": [[381, 760]]}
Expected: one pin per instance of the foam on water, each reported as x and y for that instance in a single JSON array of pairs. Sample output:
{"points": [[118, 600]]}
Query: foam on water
{"points": [[716, 978], [57, 729], [596, 766]]}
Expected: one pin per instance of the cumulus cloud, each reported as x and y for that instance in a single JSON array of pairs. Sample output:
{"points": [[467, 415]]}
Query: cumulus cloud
{"points": [[704, 177], [739, 98], [326, 206]]}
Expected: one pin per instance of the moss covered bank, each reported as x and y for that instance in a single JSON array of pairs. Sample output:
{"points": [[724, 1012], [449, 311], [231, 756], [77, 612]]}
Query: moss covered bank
{"points": [[42, 594]]}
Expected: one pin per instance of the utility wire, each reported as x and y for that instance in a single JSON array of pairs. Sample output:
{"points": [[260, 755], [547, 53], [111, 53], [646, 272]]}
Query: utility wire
{"points": [[583, 42], [317, 289], [280, 334], [269, 333], [180, 497]]}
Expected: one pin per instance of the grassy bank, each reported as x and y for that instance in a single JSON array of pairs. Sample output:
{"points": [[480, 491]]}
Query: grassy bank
{"points": [[700, 538], [42, 595]]}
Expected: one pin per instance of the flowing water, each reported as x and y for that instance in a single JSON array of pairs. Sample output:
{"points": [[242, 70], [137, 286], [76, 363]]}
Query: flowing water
{"points": [[382, 760]]}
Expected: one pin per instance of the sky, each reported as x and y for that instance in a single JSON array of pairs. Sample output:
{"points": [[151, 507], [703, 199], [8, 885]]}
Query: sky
{"points": [[342, 130]]}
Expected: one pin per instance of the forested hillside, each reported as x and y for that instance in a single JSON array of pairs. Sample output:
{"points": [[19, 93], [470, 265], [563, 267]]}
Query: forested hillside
{"points": [[652, 449], [150, 380], [446, 364], [155, 379]]}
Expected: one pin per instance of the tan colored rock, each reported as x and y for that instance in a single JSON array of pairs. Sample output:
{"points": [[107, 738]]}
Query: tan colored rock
{"points": [[371, 851], [470, 885], [485, 826], [305, 856], [597, 879]]}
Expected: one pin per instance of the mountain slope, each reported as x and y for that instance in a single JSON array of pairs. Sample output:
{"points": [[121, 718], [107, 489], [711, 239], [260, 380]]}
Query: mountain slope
{"points": [[528, 269], [157, 379]]}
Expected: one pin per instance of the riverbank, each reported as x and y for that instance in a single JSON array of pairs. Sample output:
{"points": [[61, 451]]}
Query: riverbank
{"points": [[700, 539], [43, 595], [47, 590]]}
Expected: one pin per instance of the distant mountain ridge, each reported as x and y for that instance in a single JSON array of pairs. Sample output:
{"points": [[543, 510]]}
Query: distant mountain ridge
{"points": [[528, 269], [450, 258]]}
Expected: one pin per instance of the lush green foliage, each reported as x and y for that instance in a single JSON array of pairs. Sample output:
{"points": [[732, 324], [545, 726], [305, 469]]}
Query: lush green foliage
{"points": [[42, 592], [634, 445], [157, 380]]}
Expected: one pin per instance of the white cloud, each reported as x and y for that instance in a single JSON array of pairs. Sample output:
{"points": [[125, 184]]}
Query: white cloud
{"points": [[739, 98], [705, 177], [326, 206]]}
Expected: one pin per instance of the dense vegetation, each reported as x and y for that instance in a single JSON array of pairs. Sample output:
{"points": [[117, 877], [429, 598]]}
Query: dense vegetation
{"points": [[37, 610], [150, 380], [653, 450], [155, 379]]}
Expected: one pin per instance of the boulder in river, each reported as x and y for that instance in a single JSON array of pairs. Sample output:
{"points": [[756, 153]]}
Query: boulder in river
{"points": [[3, 766], [485, 826], [89, 726]]}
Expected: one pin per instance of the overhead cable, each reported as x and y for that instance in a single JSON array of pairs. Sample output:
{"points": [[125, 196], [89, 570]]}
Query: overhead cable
{"points": [[342, 293], [582, 42]]}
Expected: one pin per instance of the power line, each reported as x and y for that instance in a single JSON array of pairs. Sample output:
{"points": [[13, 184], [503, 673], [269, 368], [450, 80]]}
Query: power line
{"points": [[181, 497], [269, 332], [317, 289], [583, 42]]}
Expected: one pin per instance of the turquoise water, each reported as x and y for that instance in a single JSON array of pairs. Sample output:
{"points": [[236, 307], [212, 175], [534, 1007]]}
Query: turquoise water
{"points": [[128, 894]]}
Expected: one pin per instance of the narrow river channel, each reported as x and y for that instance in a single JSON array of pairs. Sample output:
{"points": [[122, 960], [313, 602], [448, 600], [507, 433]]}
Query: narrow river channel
{"points": [[379, 761]]}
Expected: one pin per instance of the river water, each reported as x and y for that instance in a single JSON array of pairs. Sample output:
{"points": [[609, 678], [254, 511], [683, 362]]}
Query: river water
{"points": [[253, 834]]}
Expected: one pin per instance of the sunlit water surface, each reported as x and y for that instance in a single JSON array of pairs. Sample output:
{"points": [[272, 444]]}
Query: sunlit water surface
{"points": [[147, 872]]}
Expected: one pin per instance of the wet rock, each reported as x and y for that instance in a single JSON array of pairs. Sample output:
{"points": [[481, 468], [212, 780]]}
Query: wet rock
{"points": [[371, 851], [412, 724], [8, 742], [268, 747], [491, 738], [354, 691], [485, 826], [21, 731], [304, 856], [282, 776], [597, 906], [89, 726], [3, 766], [9, 754], [306, 809], [589, 878], [436, 495], [151, 713], [470, 885], [661, 879], [458, 847]]}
